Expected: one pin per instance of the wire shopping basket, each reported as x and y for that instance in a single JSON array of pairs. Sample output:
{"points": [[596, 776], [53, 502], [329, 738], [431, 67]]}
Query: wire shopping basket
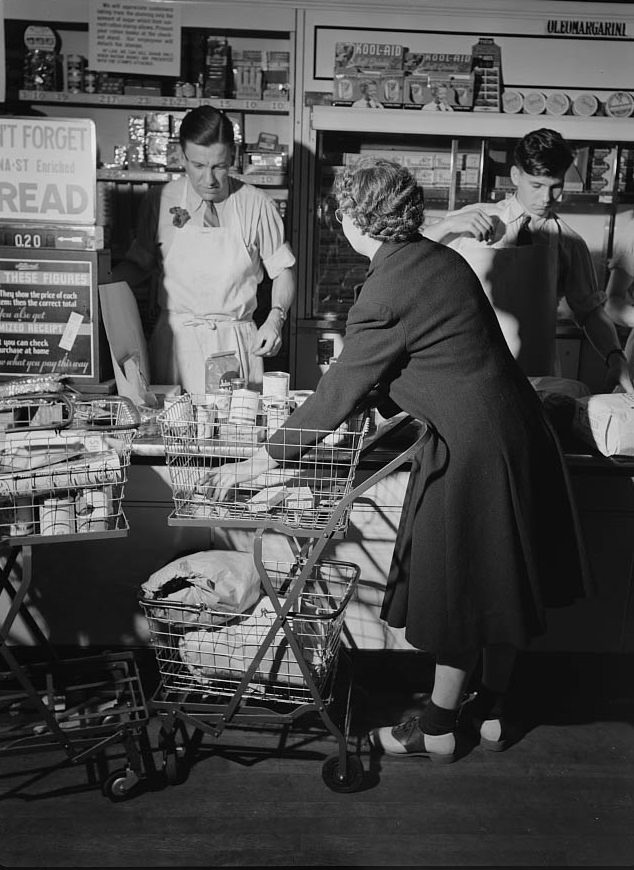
{"points": [[202, 651], [63, 464], [300, 496]]}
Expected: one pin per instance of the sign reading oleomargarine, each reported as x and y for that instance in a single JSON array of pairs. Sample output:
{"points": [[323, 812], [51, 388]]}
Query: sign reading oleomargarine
{"points": [[580, 27], [46, 316], [48, 170]]}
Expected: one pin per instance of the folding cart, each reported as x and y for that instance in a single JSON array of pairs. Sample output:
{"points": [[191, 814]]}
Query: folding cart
{"points": [[279, 661], [63, 466]]}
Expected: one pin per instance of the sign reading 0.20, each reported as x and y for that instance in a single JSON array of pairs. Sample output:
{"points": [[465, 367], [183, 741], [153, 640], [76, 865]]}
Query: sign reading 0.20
{"points": [[48, 170]]}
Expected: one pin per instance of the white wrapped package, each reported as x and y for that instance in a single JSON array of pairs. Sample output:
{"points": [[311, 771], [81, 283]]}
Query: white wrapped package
{"points": [[606, 421]]}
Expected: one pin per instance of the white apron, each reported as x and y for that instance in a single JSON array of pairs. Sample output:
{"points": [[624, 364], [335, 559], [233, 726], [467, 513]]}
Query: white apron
{"points": [[521, 283], [207, 304]]}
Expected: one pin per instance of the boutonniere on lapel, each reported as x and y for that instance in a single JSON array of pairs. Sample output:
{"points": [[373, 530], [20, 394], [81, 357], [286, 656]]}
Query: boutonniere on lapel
{"points": [[181, 216]]}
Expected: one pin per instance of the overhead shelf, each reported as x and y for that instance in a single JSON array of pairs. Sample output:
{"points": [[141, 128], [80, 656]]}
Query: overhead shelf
{"points": [[151, 102], [489, 125]]}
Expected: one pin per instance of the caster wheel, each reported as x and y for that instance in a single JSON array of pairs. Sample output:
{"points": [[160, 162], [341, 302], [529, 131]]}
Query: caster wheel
{"points": [[353, 779], [119, 785], [174, 766]]}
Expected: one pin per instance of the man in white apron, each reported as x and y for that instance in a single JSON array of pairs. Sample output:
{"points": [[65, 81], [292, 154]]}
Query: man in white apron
{"points": [[210, 236], [527, 259]]}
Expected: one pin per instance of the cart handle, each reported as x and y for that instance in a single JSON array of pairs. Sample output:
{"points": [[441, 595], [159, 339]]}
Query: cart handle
{"points": [[391, 466], [111, 427], [6, 403]]}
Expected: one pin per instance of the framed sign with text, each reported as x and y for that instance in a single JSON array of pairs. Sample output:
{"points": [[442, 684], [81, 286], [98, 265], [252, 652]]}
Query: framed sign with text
{"points": [[49, 314], [48, 170]]}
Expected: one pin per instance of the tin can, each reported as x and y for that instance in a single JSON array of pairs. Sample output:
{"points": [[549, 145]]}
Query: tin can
{"points": [[75, 66], [90, 81]]}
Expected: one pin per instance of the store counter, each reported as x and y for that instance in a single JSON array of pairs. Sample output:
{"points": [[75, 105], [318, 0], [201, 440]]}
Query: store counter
{"points": [[86, 592]]}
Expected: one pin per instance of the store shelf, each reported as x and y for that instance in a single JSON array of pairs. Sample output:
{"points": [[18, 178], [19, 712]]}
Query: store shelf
{"points": [[119, 101], [489, 125], [150, 176]]}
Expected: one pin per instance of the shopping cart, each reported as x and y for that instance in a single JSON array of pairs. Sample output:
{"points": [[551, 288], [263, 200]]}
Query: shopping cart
{"points": [[63, 467], [280, 660]]}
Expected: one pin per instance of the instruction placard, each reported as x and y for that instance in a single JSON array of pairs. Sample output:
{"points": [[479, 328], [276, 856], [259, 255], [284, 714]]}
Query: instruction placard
{"points": [[48, 170], [130, 36], [46, 317]]}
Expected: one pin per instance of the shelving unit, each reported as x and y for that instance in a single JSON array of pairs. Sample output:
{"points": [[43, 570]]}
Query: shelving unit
{"points": [[121, 101]]}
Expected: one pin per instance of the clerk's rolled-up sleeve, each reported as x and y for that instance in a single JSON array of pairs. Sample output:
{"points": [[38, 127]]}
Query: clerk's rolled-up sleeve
{"points": [[275, 252]]}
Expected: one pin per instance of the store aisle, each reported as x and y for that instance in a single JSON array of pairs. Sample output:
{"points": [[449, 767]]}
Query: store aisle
{"points": [[563, 796]]}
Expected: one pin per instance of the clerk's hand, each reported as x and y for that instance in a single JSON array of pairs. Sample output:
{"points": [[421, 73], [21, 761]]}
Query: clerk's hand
{"points": [[618, 376], [471, 220], [268, 339]]}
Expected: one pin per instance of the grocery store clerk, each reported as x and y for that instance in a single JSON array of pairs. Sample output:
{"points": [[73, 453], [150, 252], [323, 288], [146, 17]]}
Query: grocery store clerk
{"points": [[208, 237], [527, 258]]}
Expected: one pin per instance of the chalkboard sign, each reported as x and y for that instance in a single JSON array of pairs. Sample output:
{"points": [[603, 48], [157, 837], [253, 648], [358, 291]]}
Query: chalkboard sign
{"points": [[50, 321]]}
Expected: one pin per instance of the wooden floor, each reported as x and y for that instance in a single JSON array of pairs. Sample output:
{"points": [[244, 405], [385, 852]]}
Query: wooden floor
{"points": [[561, 797]]}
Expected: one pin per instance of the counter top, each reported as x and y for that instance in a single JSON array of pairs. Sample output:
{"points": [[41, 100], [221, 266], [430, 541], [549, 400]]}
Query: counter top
{"points": [[394, 435]]}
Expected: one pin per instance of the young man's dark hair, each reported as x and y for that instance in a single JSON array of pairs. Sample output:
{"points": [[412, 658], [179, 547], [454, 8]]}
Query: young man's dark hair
{"points": [[543, 152]]}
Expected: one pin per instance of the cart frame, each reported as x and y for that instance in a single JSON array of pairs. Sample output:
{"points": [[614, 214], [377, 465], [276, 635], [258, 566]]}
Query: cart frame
{"points": [[343, 771]]}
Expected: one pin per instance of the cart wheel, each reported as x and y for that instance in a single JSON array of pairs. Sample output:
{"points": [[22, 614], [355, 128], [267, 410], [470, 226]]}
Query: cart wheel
{"points": [[174, 766], [119, 785], [353, 779]]}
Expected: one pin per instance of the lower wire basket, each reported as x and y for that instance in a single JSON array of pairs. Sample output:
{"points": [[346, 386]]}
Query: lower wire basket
{"points": [[204, 652]]}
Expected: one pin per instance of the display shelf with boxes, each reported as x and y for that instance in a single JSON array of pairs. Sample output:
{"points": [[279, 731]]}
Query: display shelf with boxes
{"points": [[458, 158]]}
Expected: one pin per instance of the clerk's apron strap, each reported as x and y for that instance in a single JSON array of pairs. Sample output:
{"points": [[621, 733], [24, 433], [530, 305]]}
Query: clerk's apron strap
{"points": [[182, 341]]}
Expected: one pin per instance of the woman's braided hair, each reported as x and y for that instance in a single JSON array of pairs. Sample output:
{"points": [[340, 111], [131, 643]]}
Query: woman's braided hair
{"points": [[382, 199]]}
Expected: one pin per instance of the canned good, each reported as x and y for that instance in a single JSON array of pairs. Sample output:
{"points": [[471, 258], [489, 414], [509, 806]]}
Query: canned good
{"points": [[90, 81], [75, 65]]}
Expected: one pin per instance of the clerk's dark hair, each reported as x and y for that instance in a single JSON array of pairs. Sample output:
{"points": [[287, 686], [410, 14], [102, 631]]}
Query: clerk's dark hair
{"points": [[382, 198], [206, 126], [543, 152]]}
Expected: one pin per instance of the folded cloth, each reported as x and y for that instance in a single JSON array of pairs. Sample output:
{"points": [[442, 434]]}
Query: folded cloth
{"points": [[221, 580]]}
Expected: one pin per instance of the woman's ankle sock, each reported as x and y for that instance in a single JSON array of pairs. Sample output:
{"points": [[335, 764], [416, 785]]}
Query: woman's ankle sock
{"points": [[436, 720]]}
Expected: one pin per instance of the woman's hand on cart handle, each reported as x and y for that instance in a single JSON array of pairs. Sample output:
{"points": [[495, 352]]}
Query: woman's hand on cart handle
{"points": [[229, 476]]}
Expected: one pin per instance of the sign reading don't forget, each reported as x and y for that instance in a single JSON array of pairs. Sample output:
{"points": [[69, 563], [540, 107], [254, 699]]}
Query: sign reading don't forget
{"points": [[48, 170]]}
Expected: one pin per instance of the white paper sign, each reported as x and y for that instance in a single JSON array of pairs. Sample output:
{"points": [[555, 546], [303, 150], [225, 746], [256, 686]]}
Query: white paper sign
{"points": [[48, 170], [3, 64], [132, 36]]}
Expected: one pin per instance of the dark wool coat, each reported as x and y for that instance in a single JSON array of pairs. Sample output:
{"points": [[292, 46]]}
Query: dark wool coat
{"points": [[488, 535]]}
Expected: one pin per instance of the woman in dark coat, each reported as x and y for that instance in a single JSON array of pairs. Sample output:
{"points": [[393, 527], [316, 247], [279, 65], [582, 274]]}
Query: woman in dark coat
{"points": [[488, 535]]}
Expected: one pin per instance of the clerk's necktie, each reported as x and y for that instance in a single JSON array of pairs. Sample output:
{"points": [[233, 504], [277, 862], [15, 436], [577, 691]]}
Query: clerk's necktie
{"points": [[210, 218], [524, 236]]}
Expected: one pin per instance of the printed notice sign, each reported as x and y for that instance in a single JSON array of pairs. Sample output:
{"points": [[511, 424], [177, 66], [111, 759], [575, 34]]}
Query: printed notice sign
{"points": [[48, 170], [131, 36], [46, 317]]}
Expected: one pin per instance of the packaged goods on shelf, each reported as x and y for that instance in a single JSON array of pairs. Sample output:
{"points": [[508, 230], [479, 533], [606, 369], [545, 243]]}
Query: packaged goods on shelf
{"points": [[247, 74], [368, 90], [444, 78], [157, 122], [534, 103], [486, 58], [619, 104], [110, 84], [217, 68], [275, 75], [42, 69], [512, 102], [557, 103], [585, 105], [174, 154], [373, 56], [156, 148]]}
